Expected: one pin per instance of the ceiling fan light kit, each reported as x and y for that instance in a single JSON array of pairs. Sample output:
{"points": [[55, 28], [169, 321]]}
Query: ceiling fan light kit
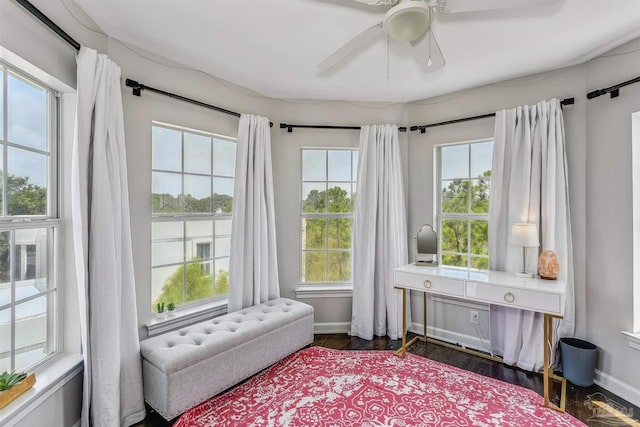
{"points": [[407, 21]]}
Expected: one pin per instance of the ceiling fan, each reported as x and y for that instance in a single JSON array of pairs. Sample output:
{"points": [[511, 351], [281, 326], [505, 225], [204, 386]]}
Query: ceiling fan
{"points": [[409, 21]]}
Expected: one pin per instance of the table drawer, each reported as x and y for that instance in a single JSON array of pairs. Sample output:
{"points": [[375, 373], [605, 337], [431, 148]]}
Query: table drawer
{"points": [[513, 297], [431, 284]]}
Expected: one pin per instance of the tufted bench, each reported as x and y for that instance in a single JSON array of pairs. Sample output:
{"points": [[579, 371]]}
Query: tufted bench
{"points": [[185, 367]]}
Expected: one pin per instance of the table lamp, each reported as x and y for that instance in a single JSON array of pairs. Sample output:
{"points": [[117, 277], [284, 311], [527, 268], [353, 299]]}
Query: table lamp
{"points": [[525, 235]]}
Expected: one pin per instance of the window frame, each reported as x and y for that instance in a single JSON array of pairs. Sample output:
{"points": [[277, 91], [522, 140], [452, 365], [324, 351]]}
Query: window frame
{"points": [[185, 217], [337, 285], [468, 216], [50, 221]]}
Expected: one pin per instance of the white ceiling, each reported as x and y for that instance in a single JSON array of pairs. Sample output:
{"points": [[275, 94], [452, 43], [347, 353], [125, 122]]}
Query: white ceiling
{"points": [[273, 46]]}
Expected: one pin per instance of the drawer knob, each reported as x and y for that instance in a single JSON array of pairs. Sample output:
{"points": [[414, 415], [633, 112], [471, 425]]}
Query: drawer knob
{"points": [[427, 283], [509, 297]]}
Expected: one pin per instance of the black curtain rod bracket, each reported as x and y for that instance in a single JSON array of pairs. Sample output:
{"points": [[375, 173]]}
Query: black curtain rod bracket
{"points": [[423, 128], [49, 23], [289, 127], [138, 87], [614, 90]]}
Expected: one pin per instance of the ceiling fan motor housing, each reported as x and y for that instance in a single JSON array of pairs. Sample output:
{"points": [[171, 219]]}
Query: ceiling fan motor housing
{"points": [[407, 21]]}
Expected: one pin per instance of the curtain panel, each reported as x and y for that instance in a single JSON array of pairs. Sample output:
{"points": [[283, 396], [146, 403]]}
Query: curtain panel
{"points": [[112, 389], [529, 184], [380, 234], [253, 269]]}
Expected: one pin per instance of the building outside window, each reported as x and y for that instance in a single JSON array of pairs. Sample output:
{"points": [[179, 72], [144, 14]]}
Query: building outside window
{"points": [[29, 221], [328, 201], [463, 204], [193, 174]]}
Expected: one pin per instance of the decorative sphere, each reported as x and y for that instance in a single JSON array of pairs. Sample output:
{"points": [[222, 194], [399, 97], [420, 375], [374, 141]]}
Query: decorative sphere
{"points": [[548, 266]]}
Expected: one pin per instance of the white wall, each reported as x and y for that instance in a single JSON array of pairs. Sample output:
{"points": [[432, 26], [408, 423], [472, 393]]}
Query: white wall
{"points": [[598, 145]]}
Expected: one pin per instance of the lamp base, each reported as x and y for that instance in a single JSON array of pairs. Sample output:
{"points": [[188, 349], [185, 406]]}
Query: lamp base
{"points": [[524, 274]]}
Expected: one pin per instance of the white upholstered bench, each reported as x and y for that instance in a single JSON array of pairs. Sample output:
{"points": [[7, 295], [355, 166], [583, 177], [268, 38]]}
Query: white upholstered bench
{"points": [[185, 367]]}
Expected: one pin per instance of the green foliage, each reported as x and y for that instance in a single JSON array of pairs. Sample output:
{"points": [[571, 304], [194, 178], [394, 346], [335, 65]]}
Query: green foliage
{"points": [[166, 203], [323, 233], [25, 198], [171, 306], [455, 232], [8, 380], [160, 307], [199, 284]]}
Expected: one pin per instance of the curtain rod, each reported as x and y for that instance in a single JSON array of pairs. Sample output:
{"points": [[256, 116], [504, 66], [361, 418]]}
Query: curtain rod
{"points": [[423, 128], [138, 87], [49, 23], [613, 90], [289, 127]]}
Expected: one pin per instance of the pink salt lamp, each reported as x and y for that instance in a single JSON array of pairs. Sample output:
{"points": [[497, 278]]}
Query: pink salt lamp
{"points": [[548, 266]]}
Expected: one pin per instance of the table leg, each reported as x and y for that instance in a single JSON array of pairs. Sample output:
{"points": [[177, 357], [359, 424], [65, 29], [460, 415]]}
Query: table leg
{"points": [[548, 369], [424, 319], [402, 351]]}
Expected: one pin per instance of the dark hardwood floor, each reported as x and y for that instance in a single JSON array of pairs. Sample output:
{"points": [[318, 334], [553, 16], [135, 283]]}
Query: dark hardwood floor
{"points": [[577, 397]]}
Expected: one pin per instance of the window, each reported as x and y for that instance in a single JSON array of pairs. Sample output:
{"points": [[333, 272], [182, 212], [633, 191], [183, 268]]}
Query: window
{"points": [[29, 222], [463, 206], [328, 196], [192, 198]]}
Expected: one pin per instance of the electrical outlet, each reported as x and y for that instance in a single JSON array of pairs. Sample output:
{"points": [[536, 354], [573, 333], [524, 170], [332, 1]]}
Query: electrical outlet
{"points": [[473, 317]]}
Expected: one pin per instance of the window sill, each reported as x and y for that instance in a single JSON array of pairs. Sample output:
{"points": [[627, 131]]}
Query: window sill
{"points": [[49, 379], [187, 317], [324, 291], [634, 339]]}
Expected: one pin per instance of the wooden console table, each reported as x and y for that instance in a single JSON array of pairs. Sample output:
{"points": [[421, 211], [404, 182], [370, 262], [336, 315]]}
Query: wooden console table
{"points": [[491, 287]]}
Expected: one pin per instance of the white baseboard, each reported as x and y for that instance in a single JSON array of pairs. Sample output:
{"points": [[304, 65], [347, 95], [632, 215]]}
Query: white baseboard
{"points": [[617, 387], [332, 328], [467, 341]]}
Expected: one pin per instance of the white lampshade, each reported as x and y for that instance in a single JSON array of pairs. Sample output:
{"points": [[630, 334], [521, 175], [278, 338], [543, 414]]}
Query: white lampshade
{"points": [[524, 235]]}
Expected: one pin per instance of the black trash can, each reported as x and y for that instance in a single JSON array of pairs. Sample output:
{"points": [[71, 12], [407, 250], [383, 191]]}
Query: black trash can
{"points": [[578, 361]]}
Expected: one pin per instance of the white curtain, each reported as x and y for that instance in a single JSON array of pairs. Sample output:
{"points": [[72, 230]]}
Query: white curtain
{"points": [[380, 236], [112, 394], [253, 271], [529, 184]]}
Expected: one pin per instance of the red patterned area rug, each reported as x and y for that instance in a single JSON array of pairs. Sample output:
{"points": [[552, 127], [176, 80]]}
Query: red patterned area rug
{"points": [[322, 387]]}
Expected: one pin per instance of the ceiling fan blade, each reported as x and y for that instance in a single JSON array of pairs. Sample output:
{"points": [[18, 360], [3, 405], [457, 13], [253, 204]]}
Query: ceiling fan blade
{"points": [[351, 48], [427, 52], [456, 6], [379, 2]]}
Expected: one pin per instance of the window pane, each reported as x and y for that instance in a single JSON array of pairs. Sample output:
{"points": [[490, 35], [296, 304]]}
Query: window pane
{"points": [[26, 114], [167, 149], [479, 237], [31, 332], [224, 157], [222, 276], [222, 195], [26, 182], [339, 233], [454, 235], [167, 243], [5, 340], [481, 263], [480, 195], [314, 233], [314, 165], [223, 227], [1, 172], [314, 266], [1, 112], [339, 165], [197, 153], [339, 197], [199, 281], [223, 246], [339, 264], [166, 190], [455, 161], [481, 158], [167, 285], [314, 197], [354, 172], [454, 196], [30, 259], [5, 275], [197, 194], [198, 240], [454, 260]]}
